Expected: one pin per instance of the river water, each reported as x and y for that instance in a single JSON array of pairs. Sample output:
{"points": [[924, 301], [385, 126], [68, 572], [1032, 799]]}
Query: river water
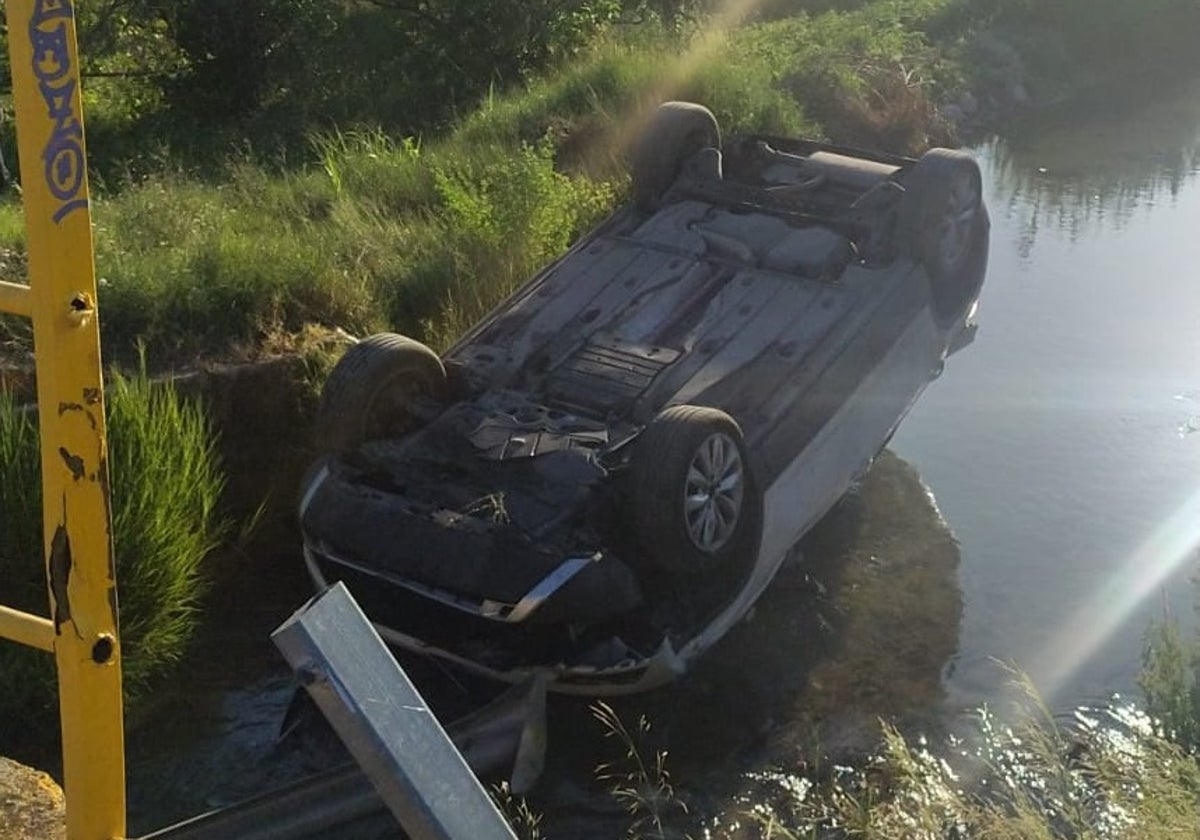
{"points": [[1064, 446], [1044, 509]]}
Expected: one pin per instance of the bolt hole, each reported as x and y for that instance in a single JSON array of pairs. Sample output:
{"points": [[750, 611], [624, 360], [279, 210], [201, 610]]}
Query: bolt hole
{"points": [[102, 650]]}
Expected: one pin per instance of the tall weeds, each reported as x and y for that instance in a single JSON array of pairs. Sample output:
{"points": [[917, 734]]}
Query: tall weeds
{"points": [[1107, 773], [500, 217], [640, 784], [166, 483], [1097, 774]]}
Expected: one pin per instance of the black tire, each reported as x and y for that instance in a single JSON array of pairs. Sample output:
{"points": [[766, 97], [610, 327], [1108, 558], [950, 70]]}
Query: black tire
{"points": [[667, 464], [676, 132], [367, 393], [947, 226]]}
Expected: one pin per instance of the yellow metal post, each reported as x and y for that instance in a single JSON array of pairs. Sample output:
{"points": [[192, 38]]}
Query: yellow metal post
{"points": [[76, 518]]}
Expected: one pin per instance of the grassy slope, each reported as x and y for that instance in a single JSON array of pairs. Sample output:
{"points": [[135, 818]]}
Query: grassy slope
{"points": [[422, 236]]}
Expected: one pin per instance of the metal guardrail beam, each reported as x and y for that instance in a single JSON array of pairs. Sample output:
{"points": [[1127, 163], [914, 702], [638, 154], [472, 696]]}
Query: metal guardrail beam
{"points": [[338, 803], [386, 724]]}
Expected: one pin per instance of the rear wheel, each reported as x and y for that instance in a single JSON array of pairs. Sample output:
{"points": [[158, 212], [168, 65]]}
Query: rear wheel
{"points": [[676, 132], [947, 225], [370, 391], [695, 509]]}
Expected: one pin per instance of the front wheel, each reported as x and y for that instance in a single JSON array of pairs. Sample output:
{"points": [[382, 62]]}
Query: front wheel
{"points": [[370, 391], [695, 509]]}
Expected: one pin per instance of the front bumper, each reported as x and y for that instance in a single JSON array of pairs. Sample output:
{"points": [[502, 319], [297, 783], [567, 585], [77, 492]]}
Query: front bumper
{"points": [[564, 669]]}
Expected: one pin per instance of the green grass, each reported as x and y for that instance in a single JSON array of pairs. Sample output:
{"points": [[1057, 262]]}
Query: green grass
{"points": [[376, 232], [165, 480], [1170, 682], [166, 483]]}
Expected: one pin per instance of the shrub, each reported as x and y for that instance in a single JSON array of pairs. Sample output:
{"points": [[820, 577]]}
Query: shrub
{"points": [[500, 217], [165, 485], [1170, 683], [867, 76]]}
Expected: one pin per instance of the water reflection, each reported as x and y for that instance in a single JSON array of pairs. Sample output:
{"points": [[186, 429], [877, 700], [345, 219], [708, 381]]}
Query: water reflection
{"points": [[1059, 446], [1095, 168]]}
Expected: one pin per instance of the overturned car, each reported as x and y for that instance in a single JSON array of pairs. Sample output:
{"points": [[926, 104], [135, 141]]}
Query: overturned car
{"points": [[598, 480]]}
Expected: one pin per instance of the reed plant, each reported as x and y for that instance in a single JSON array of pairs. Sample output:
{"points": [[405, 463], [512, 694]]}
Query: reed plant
{"points": [[165, 484]]}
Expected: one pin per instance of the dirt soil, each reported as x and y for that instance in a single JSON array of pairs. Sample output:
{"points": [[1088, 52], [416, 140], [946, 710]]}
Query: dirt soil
{"points": [[31, 804]]}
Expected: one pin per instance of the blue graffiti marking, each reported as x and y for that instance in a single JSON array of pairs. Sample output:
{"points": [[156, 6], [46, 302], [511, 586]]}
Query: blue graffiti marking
{"points": [[63, 159]]}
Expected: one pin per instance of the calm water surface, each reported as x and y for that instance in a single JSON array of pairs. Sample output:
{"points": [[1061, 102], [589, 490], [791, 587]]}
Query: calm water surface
{"points": [[1064, 446]]}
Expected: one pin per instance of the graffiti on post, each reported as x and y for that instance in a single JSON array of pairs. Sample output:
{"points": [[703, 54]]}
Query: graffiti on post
{"points": [[63, 158]]}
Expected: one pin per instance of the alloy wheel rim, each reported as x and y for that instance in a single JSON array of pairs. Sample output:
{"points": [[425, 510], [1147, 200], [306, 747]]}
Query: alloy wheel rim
{"points": [[713, 492]]}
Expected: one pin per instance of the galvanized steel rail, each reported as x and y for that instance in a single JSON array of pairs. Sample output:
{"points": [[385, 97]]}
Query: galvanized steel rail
{"points": [[385, 722]]}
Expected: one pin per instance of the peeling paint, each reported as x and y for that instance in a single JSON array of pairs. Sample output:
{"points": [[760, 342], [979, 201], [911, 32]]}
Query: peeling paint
{"points": [[60, 575], [74, 463], [64, 407]]}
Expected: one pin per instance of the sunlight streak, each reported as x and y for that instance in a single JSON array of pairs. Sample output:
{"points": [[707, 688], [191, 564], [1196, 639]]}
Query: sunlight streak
{"points": [[678, 69], [1082, 635]]}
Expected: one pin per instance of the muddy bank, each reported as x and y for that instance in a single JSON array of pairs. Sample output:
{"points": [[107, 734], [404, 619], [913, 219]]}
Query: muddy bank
{"points": [[262, 413]]}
